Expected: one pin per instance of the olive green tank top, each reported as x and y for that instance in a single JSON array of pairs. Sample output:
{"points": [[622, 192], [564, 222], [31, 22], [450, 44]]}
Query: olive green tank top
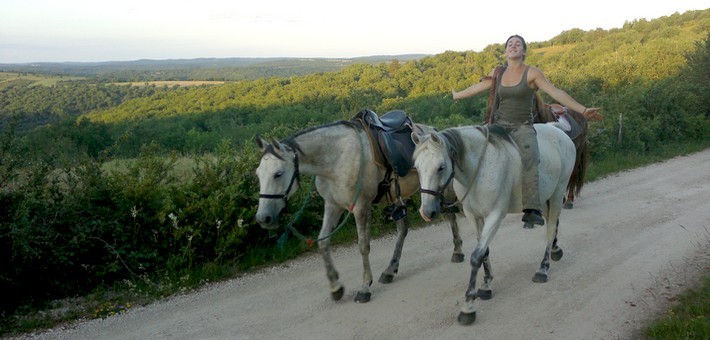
{"points": [[516, 102]]}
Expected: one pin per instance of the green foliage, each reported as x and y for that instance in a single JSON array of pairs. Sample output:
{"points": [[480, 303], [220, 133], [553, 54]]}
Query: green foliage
{"points": [[697, 73], [67, 231], [40, 105], [689, 318]]}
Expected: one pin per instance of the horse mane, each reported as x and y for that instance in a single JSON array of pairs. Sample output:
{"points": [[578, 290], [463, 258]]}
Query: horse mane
{"points": [[455, 144], [293, 144], [497, 135], [269, 148]]}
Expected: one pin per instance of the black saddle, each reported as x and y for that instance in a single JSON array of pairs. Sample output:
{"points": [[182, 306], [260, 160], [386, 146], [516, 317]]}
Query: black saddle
{"points": [[390, 121], [392, 135]]}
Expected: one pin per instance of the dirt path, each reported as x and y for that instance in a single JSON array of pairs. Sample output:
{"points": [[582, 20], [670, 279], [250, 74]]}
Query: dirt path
{"points": [[633, 241]]}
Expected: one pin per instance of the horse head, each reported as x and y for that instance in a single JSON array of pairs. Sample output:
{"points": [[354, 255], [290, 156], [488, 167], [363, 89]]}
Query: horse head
{"points": [[278, 178], [436, 171]]}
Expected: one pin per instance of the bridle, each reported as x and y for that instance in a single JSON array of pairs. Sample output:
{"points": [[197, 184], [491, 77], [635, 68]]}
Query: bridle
{"points": [[294, 179], [440, 193]]}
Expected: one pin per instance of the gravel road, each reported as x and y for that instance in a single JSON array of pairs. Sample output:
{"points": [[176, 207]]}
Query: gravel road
{"points": [[633, 241]]}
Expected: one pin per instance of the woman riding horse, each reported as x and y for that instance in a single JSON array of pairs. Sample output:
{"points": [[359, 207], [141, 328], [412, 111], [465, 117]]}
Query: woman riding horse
{"points": [[513, 111]]}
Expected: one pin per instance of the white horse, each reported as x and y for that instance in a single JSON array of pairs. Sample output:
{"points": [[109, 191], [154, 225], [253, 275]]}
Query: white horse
{"points": [[347, 177], [485, 166]]}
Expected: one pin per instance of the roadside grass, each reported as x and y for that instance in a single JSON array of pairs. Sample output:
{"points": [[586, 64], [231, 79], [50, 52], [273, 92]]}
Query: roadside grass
{"points": [[622, 161], [689, 316], [689, 319]]}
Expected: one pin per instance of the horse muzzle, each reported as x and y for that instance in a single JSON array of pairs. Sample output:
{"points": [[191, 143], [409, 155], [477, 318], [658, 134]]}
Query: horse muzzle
{"points": [[428, 214], [268, 221]]}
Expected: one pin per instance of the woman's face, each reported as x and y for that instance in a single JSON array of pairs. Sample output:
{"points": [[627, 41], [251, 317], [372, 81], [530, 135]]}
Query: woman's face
{"points": [[514, 48]]}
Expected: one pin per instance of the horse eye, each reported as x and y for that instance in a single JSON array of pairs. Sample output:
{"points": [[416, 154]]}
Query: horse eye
{"points": [[441, 168], [278, 174]]}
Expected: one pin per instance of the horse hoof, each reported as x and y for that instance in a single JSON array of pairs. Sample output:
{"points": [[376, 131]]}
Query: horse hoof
{"points": [[457, 258], [528, 225], [386, 278], [556, 254], [568, 206], [540, 278], [361, 297], [338, 294], [484, 294], [466, 318]]}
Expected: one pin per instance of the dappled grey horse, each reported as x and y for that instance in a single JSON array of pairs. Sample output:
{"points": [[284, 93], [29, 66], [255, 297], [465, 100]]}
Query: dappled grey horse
{"points": [[347, 177], [485, 166]]}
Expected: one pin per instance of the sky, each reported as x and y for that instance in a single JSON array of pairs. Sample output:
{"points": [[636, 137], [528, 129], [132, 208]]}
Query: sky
{"points": [[110, 30]]}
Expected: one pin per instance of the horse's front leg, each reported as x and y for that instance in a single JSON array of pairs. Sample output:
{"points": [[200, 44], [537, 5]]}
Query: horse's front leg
{"points": [[486, 232], [486, 290], [468, 309], [331, 215], [402, 229], [362, 219]]}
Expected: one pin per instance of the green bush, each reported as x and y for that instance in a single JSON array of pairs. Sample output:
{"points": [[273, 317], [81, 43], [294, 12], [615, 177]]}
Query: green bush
{"points": [[66, 232]]}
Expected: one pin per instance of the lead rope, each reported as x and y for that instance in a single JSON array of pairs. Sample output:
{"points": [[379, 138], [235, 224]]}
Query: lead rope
{"points": [[310, 241]]}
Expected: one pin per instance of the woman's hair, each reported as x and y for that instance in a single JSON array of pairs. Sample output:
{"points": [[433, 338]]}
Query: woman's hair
{"points": [[525, 46]]}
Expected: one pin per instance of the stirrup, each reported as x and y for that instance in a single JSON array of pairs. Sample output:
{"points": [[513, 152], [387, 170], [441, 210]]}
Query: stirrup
{"points": [[397, 212]]}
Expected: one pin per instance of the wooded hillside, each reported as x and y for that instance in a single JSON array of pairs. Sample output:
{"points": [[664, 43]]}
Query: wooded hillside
{"points": [[612, 69]]}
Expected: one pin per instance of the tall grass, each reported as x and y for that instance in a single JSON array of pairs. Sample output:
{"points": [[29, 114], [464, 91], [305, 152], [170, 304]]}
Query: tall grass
{"points": [[617, 161]]}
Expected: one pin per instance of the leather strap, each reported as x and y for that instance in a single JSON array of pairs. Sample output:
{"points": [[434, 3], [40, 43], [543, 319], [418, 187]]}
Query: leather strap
{"points": [[493, 93]]}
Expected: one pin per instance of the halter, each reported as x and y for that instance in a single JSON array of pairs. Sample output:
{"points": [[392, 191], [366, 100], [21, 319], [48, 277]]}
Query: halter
{"points": [[440, 193], [294, 178]]}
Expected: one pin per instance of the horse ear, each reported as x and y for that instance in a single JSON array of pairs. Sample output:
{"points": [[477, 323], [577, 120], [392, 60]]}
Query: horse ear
{"points": [[435, 137], [415, 138], [276, 144], [261, 143]]}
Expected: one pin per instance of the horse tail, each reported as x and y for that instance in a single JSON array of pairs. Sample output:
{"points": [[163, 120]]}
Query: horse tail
{"points": [[581, 162], [582, 157]]}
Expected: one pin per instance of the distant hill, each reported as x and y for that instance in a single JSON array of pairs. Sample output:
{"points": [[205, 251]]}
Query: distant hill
{"points": [[226, 69]]}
